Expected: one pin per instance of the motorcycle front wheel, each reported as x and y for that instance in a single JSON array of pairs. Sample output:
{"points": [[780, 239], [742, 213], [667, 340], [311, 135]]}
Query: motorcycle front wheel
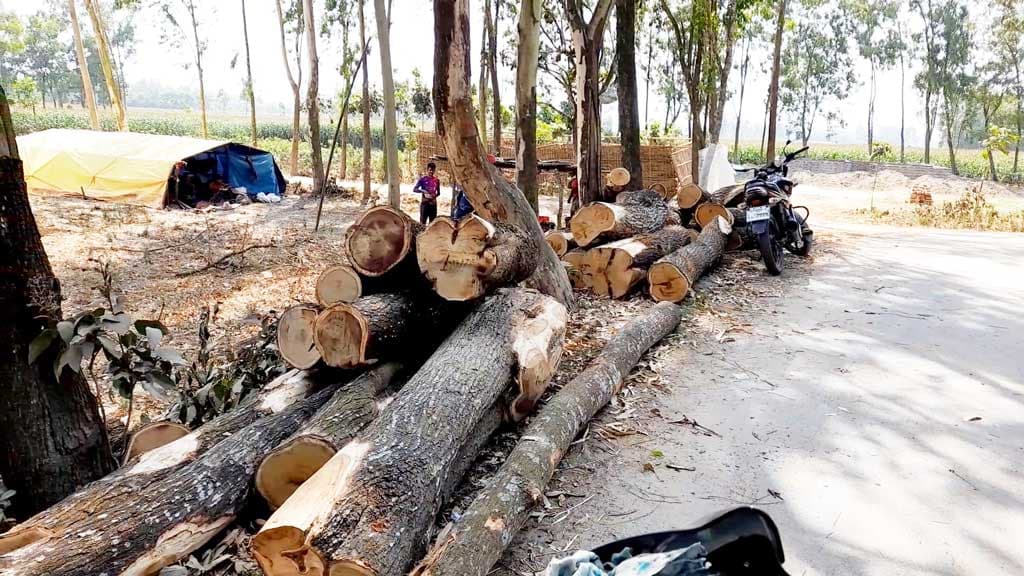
{"points": [[804, 247], [771, 253]]}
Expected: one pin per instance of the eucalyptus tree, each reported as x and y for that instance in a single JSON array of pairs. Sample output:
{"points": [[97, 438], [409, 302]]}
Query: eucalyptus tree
{"points": [[290, 22], [879, 42]]}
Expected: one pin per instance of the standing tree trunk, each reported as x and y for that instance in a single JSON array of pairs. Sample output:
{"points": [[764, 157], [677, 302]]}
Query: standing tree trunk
{"points": [[871, 109], [103, 47], [390, 120], [903, 107], [625, 78], [587, 41], [773, 91], [343, 161], [528, 52], [293, 160], [492, 53], [1020, 113], [83, 67], [248, 71], [491, 195], [950, 143], [191, 7], [366, 107], [483, 97], [312, 100], [739, 108], [52, 439], [716, 102]]}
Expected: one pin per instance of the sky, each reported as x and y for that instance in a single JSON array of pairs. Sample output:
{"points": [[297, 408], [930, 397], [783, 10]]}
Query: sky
{"points": [[412, 48]]}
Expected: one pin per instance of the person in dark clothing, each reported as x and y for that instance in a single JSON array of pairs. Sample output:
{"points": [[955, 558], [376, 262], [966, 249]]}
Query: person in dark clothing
{"points": [[460, 203], [429, 187]]}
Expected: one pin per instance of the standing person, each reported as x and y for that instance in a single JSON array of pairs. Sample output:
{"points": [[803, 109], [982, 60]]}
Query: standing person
{"points": [[429, 187], [460, 203]]}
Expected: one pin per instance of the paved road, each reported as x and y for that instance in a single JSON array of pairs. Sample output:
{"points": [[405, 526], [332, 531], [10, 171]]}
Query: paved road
{"points": [[882, 399]]}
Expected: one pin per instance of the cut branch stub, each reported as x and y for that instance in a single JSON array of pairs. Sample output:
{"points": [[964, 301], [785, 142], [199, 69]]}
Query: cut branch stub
{"points": [[295, 341], [708, 211], [151, 436], [380, 240], [672, 277], [466, 259]]}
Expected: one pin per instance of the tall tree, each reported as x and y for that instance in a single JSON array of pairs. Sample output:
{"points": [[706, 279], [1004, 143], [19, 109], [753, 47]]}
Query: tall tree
{"points": [[339, 13], [1007, 39], [11, 42], [587, 43], [312, 99], [103, 48], [528, 52], [879, 42], [295, 80], [748, 39], [928, 79], [83, 67], [483, 90], [492, 68], [365, 107], [903, 92], [52, 439], [625, 82], [248, 71], [178, 34], [390, 116], [773, 88], [954, 79]]}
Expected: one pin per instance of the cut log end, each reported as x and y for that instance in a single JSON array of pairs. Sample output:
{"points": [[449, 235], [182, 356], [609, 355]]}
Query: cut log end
{"points": [[560, 242], [537, 344], [295, 340], [689, 195], [341, 336], [379, 240], [19, 538], [707, 212], [338, 284], [667, 283], [590, 221], [286, 468], [152, 436], [351, 568], [282, 551]]}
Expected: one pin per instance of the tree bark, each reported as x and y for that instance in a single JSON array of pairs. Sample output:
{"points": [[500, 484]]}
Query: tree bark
{"points": [[773, 90], [491, 195], [351, 408], [479, 537], [293, 160], [716, 103], [625, 79], [528, 52], [248, 71], [52, 438], [560, 242], [492, 35], [368, 510], [150, 521], [83, 67], [191, 9], [390, 120], [382, 240], [728, 196], [739, 107], [103, 48], [366, 108], [381, 327], [618, 266], [672, 277], [602, 221], [312, 100]]}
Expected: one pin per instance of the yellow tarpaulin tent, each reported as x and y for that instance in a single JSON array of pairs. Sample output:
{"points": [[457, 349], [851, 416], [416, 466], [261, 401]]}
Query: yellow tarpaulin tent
{"points": [[117, 166]]}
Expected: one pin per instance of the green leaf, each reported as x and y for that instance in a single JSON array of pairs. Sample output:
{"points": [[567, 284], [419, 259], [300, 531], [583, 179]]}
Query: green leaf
{"points": [[158, 385], [170, 355], [657, 454], [109, 346], [153, 335], [40, 344], [141, 325], [66, 330], [117, 323], [72, 358]]}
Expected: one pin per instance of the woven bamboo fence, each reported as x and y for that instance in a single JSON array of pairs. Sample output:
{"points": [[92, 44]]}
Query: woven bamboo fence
{"points": [[664, 164]]}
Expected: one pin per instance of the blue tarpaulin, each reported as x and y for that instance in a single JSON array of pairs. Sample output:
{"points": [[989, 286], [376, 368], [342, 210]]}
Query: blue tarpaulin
{"points": [[249, 168]]}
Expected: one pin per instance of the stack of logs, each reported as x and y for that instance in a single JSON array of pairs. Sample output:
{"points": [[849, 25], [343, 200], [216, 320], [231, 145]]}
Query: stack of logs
{"points": [[645, 239], [413, 354]]}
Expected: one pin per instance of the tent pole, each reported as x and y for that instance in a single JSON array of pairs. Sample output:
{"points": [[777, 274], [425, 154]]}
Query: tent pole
{"points": [[337, 130]]}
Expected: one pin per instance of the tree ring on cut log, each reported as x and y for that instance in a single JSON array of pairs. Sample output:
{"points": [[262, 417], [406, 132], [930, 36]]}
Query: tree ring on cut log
{"points": [[351, 568], [590, 221], [338, 284], [560, 241], [689, 195], [283, 551], [455, 256], [295, 341], [708, 211], [286, 468], [379, 240], [668, 283], [341, 336], [152, 436]]}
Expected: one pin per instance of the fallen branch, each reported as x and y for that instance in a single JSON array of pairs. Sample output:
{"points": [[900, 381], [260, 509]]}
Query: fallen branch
{"points": [[223, 259]]}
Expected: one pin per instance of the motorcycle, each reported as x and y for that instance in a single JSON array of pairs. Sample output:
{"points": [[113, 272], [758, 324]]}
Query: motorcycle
{"points": [[772, 220]]}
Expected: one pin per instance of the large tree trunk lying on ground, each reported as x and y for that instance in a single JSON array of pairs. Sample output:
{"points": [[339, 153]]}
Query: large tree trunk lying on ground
{"points": [[466, 259], [381, 326], [672, 277], [478, 538], [575, 276], [334, 424], [728, 196], [560, 242], [383, 240], [151, 520], [369, 508], [708, 211], [642, 211], [152, 436], [345, 284], [618, 266], [295, 342], [574, 262]]}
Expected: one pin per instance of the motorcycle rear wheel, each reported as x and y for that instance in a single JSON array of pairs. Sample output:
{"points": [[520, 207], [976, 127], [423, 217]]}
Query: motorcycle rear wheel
{"points": [[771, 253]]}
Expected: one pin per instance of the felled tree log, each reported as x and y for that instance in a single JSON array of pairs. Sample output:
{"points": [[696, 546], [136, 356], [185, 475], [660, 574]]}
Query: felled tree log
{"points": [[560, 242], [619, 266], [149, 521], [382, 240], [345, 284], [369, 508], [466, 259], [671, 277], [381, 326], [640, 212], [295, 329], [708, 211], [152, 436], [485, 529], [728, 196], [574, 260], [690, 195], [575, 276], [335, 423], [575, 256]]}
